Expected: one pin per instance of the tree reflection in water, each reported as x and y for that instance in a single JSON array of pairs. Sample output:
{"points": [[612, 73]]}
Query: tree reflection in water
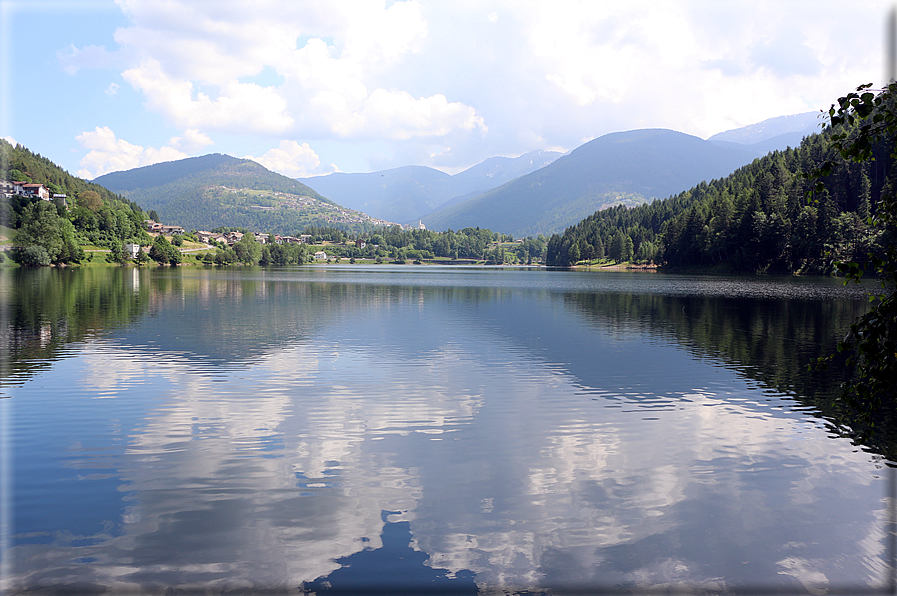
{"points": [[394, 568]]}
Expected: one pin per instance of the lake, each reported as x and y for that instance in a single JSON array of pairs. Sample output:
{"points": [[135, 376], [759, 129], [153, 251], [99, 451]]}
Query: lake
{"points": [[428, 429]]}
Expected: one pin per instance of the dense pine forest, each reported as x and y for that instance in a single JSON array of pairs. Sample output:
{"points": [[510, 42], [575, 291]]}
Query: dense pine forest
{"points": [[758, 219]]}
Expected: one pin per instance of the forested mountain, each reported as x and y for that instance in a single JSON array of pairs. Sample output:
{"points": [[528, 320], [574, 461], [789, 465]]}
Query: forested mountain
{"points": [[211, 169], [624, 168], [219, 190], [51, 232], [408, 193], [756, 219]]}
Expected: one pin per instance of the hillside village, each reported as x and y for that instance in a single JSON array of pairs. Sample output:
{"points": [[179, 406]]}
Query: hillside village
{"points": [[212, 239], [31, 191]]}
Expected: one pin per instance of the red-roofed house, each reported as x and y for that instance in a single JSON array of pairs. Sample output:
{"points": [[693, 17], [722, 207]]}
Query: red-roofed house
{"points": [[36, 190]]}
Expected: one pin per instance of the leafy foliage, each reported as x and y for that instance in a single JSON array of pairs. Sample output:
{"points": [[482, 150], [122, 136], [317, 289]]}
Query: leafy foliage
{"points": [[248, 249], [45, 237], [18, 163], [400, 245], [865, 126], [163, 252]]}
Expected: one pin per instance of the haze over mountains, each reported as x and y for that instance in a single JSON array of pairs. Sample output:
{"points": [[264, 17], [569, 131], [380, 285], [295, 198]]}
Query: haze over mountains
{"points": [[408, 193], [771, 134]]}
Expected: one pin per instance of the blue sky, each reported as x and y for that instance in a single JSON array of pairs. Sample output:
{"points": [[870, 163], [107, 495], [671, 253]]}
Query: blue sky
{"points": [[308, 88]]}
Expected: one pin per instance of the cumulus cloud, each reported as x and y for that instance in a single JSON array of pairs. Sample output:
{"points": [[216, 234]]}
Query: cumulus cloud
{"points": [[384, 35], [786, 57], [239, 107], [106, 153], [293, 160], [197, 54], [397, 115]]}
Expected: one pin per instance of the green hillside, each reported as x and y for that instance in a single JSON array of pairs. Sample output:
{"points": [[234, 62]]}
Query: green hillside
{"points": [[45, 232], [19, 164], [217, 190]]}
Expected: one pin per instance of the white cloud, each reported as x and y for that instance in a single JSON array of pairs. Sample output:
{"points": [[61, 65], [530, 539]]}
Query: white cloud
{"points": [[383, 36], [293, 160], [112, 89], [110, 154], [196, 54], [239, 107], [191, 142], [73, 59], [11, 141], [397, 115], [485, 77]]}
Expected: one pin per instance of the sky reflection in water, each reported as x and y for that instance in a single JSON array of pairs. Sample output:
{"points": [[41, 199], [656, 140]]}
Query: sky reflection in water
{"points": [[524, 429]]}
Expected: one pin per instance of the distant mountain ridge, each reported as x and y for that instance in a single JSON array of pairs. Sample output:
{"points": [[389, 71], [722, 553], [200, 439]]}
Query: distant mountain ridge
{"points": [[406, 194], [219, 190], [771, 127], [772, 134], [627, 168]]}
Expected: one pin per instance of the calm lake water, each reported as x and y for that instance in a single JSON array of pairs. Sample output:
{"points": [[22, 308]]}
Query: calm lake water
{"points": [[426, 428]]}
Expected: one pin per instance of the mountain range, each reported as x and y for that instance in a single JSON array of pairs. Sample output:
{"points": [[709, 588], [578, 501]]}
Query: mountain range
{"points": [[627, 168], [560, 194], [539, 192], [408, 193]]}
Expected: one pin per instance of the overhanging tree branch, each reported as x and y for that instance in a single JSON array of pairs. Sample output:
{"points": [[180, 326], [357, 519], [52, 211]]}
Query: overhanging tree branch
{"points": [[862, 122]]}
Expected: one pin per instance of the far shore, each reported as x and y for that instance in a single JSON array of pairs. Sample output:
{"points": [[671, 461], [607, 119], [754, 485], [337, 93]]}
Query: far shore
{"points": [[618, 267]]}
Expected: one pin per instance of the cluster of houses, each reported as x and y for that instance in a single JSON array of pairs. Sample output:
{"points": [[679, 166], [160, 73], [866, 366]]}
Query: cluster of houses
{"points": [[154, 227], [228, 238], [231, 238], [9, 189]]}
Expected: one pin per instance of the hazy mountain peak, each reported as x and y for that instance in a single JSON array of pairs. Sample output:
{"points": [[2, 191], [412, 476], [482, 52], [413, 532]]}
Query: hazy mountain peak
{"points": [[806, 122], [407, 193]]}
